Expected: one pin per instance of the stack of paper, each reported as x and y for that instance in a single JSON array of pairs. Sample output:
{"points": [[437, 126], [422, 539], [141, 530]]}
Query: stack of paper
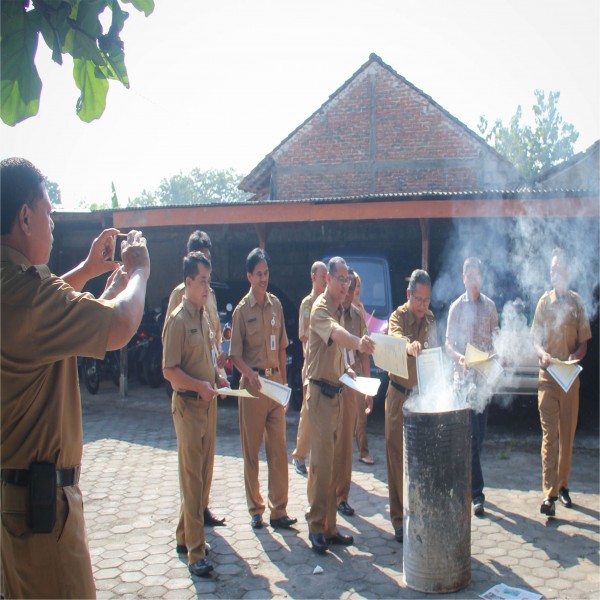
{"points": [[564, 372], [483, 363]]}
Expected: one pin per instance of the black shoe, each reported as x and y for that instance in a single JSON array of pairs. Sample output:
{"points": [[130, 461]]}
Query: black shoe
{"points": [[399, 535], [201, 568], [478, 509], [547, 508], [211, 520], [318, 541], [345, 509], [181, 549], [256, 522], [300, 466], [339, 539], [284, 522], [565, 499]]}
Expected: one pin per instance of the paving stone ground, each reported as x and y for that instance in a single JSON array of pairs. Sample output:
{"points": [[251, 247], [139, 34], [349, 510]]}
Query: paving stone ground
{"points": [[131, 491]]}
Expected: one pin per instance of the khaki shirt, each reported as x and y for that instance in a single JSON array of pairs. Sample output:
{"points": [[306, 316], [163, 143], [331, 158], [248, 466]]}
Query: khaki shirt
{"points": [[325, 358], [403, 324], [303, 325], [354, 323], [46, 324], [258, 332], [211, 307], [187, 342], [560, 324]]}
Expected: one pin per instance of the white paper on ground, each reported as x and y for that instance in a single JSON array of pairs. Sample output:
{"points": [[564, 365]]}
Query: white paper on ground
{"points": [[506, 592]]}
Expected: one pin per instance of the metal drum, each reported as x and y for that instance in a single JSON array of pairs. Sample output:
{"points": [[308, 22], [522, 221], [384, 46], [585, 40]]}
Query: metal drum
{"points": [[437, 496]]}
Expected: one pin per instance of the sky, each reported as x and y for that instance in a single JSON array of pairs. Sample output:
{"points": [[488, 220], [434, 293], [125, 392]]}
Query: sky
{"points": [[218, 84]]}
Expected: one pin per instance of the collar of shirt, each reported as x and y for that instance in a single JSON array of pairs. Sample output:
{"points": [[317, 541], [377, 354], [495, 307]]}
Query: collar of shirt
{"points": [[9, 254], [191, 308], [554, 297], [465, 298], [253, 301]]}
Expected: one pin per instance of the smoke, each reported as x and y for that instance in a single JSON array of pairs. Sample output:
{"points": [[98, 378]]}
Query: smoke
{"points": [[516, 255]]}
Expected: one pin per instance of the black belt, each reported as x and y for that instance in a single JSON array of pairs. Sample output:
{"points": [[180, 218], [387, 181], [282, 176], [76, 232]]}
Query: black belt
{"points": [[327, 388], [267, 372], [401, 388], [64, 477], [187, 394]]}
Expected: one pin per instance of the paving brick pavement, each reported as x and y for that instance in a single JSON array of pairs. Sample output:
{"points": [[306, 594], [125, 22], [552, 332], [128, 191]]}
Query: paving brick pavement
{"points": [[130, 486]]}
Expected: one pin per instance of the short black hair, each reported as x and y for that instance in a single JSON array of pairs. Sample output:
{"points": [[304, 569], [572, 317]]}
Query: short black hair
{"points": [[255, 257], [352, 276], [198, 241], [191, 262], [472, 262], [418, 276], [21, 183], [333, 264]]}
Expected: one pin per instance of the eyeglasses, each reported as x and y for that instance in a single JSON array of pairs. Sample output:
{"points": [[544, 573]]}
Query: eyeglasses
{"points": [[343, 280], [420, 301]]}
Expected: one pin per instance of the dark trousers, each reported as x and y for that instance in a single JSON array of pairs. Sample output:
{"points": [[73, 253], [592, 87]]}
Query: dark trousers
{"points": [[478, 425]]}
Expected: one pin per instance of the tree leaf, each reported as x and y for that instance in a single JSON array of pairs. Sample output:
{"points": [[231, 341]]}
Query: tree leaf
{"points": [[21, 85], [145, 6], [93, 86]]}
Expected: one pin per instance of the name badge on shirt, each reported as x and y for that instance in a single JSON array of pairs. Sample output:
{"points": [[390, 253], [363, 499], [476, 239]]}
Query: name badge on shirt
{"points": [[273, 343]]}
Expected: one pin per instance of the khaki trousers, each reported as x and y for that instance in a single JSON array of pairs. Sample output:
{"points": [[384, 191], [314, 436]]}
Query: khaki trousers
{"points": [[303, 436], [558, 417], [191, 420], [209, 461], [263, 418], [342, 471], [325, 416], [394, 450], [45, 565], [361, 426]]}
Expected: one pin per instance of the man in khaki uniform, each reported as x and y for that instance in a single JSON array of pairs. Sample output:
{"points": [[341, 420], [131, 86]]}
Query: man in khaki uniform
{"points": [[189, 364], [415, 322], [318, 273], [354, 323], [561, 331], [326, 340], [200, 242], [46, 323], [258, 343]]}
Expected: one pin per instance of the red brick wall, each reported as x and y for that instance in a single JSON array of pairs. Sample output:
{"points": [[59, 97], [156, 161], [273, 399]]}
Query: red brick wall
{"points": [[414, 146]]}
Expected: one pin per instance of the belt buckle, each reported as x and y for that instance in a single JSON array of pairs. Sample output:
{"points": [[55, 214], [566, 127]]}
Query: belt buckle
{"points": [[268, 372]]}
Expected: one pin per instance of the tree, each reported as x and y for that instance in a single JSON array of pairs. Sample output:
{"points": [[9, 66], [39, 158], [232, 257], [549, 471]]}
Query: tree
{"points": [[533, 149], [198, 187], [68, 27], [53, 191]]}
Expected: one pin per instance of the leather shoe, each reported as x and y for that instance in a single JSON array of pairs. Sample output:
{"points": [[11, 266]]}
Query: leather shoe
{"points": [[399, 535], [565, 498], [339, 539], [200, 568], [256, 522], [284, 522], [318, 541], [345, 509], [212, 520]]}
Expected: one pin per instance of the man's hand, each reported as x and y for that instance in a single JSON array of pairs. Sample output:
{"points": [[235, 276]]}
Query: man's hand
{"points": [[369, 401], [366, 345], [461, 361], [545, 360], [206, 391], [253, 379], [135, 254], [221, 359], [414, 348], [222, 382], [99, 259], [351, 372]]}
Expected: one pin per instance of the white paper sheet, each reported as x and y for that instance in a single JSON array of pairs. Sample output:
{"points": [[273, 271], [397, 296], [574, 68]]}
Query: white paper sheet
{"points": [[364, 385], [430, 371], [390, 354], [483, 363], [225, 391], [274, 390], [505, 592], [564, 372]]}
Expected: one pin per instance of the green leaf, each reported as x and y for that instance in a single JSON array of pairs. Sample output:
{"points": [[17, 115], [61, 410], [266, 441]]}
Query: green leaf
{"points": [[145, 6], [21, 85], [93, 86]]}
